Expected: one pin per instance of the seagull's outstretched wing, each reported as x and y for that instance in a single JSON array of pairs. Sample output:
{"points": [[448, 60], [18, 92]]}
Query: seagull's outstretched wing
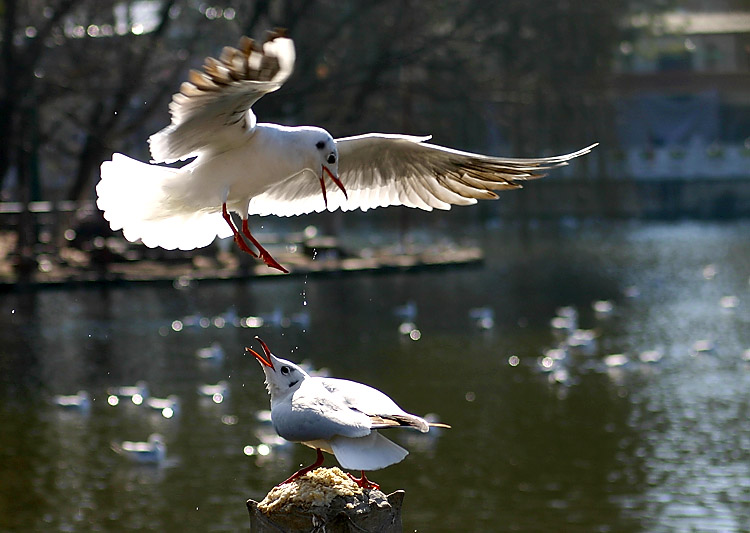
{"points": [[379, 170], [212, 109]]}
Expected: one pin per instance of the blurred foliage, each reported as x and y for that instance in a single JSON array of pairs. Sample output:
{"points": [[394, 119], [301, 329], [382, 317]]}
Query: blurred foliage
{"points": [[84, 78]]}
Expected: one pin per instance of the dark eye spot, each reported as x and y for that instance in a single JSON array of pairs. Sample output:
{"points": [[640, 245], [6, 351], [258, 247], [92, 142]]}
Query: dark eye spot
{"points": [[320, 145], [331, 159], [285, 370]]}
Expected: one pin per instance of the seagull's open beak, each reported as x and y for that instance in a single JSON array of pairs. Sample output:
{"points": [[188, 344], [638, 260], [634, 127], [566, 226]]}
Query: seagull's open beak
{"points": [[266, 361], [334, 179]]}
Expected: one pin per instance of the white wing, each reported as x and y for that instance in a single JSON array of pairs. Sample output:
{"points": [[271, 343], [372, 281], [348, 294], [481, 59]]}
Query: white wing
{"points": [[382, 410], [313, 413], [212, 109], [380, 170]]}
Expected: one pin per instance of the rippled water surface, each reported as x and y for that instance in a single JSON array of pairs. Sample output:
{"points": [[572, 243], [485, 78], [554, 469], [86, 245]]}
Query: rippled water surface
{"points": [[596, 436]]}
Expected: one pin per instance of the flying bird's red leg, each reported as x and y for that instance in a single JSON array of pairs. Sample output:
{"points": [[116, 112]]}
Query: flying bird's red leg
{"points": [[363, 482], [237, 237], [303, 471], [267, 259]]}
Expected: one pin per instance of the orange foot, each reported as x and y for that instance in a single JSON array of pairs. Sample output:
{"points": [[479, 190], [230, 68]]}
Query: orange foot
{"points": [[363, 482]]}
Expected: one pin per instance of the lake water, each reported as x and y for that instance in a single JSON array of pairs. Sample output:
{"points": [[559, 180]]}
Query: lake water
{"points": [[597, 436]]}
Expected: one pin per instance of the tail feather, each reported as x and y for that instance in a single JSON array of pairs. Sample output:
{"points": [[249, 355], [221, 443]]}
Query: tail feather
{"points": [[139, 199], [366, 453]]}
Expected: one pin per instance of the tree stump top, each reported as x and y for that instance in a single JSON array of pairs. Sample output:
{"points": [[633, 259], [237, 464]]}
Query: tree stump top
{"points": [[326, 499]]}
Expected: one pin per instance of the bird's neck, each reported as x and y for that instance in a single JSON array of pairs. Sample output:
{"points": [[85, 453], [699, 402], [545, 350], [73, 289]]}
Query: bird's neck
{"points": [[279, 396]]}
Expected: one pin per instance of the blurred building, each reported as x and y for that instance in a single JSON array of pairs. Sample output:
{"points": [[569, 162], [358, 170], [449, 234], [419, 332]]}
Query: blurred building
{"points": [[682, 93]]}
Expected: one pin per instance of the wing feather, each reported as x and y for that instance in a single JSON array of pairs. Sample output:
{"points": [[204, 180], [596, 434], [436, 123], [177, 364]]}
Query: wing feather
{"points": [[380, 170], [212, 110]]}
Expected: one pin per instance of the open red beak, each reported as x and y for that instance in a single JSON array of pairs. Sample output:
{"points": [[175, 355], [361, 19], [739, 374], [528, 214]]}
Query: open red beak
{"points": [[334, 179], [262, 360]]}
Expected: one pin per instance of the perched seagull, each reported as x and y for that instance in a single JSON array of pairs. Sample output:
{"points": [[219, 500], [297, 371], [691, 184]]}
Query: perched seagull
{"points": [[249, 168], [335, 415], [154, 451]]}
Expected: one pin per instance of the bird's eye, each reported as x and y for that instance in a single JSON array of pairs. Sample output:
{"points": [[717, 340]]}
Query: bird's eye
{"points": [[331, 159], [285, 370], [320, 145]]}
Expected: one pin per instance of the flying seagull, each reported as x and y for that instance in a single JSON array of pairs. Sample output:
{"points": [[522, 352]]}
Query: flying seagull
{"points": [[247, 167], [338, 416]]}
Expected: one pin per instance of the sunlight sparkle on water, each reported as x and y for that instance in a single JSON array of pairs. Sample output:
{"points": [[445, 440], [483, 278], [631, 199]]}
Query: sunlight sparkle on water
{"points": [[260, 449]]}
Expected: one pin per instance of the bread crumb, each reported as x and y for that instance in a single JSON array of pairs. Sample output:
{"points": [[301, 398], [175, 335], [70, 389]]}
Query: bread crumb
{"points": [[315, 489]]}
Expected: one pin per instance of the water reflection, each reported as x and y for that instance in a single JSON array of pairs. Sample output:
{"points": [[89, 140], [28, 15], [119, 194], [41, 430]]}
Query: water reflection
{"points": [[610, 393]]}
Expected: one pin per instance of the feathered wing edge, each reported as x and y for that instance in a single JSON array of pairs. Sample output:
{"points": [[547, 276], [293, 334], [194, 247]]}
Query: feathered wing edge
{"points": [[397, 421], [375, 451], [404, 420], [213, 106], [380, 170]]}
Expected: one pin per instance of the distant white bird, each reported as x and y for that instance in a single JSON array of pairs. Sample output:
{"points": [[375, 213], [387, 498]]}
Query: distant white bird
{"points": [[335, 415], [483, 317], [153, 451], [135, 393], [407, 312], [168, 407], [80, 401], [583, 341], [261, 168], [615, 360], [651, 356], [603, 308], [211, 353], [703, 346], [216, 392]]}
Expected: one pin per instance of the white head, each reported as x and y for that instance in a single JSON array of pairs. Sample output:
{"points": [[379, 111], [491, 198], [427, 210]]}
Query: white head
{"points": [[326, 156], [282, 377]]}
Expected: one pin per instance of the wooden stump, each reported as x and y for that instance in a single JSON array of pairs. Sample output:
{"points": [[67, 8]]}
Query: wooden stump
{"points": [[326, 500]]}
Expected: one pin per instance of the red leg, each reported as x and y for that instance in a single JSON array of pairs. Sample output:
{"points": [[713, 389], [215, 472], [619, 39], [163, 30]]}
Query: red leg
{"points": [[237, 237], [363, 482], [267, 259], [303, 471]]}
